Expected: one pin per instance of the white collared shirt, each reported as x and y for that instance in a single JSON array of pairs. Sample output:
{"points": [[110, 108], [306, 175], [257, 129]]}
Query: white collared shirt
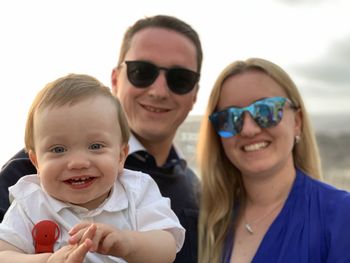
{"points": [[135, 203]]}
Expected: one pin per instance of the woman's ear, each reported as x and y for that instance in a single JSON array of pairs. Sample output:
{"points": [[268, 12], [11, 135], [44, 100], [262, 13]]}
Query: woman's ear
{"points": [[298, 120]]}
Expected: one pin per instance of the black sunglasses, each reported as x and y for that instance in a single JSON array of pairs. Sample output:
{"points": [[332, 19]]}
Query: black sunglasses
{"points": [[142, 74]]}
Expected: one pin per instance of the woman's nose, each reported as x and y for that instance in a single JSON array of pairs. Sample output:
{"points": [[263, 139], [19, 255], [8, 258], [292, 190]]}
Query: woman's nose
{"points": [[250, 127]]}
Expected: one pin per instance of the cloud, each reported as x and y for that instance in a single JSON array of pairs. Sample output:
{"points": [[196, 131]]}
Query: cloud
{"points": [[304, 2], [331, 70], [325, 81]]}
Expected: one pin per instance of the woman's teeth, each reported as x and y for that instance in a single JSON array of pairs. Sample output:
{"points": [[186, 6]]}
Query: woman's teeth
{"points": [[255, 146]]}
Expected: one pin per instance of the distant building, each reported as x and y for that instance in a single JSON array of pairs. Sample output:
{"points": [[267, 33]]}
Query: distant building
{"points": [[187, 137]]}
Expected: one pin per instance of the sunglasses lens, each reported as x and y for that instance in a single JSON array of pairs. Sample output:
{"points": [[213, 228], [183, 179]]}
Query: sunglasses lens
{"points": [[140, 73], [266, 113], [181, 81], [269, 112], [227, 123]]}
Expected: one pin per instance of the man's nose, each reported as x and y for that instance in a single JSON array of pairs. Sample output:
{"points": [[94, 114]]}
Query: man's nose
{"points": [[159, 88]]}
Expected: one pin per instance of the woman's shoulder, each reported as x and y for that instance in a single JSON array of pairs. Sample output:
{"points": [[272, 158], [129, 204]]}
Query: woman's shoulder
{"points": [[332, 199], [325, 188], [334, 204]]}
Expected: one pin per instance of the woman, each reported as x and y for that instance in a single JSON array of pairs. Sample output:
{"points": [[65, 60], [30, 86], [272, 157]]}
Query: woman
{"points": [[259, 163]]}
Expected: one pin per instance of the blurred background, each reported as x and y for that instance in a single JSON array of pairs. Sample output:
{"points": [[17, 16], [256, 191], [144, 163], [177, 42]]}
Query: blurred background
{"points": [[42, 40]]}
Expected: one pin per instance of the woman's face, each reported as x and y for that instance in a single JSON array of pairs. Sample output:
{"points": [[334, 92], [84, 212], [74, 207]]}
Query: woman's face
{"points": [[257, 151]]}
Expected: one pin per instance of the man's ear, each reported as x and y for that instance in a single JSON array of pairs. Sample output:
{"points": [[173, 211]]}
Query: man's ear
{"points": [[114, 80], [124, 150], [33, 159]]}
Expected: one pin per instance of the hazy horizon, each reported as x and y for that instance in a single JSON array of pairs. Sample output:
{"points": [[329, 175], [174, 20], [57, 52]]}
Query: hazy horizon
{"points": [[43, 40]]}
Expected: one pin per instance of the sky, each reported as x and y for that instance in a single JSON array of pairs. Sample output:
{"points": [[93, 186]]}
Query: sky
{"points": [[42, 40]]}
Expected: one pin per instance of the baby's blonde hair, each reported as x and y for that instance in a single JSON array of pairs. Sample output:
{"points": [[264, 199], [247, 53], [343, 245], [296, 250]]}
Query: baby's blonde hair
{"points": [[71, 89]]}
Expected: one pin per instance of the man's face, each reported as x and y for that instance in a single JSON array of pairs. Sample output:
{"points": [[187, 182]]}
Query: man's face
{"points": [[155, 112]]}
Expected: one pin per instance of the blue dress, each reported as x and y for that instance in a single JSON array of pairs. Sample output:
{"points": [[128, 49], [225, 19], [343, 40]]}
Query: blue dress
{"points": [[313, 226]]}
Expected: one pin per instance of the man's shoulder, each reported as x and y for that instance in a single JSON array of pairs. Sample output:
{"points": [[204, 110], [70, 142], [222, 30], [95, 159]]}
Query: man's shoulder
{"points": [[22, 154], [18, 166]]}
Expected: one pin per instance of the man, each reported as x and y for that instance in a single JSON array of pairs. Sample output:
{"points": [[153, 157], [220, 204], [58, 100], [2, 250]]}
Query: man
{"points": [[156, 81]]}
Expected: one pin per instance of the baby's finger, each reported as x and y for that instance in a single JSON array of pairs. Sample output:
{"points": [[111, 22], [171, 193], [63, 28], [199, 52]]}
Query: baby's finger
{"points": [[78, 227], [89, 233], [80, 252], [82, 235]]}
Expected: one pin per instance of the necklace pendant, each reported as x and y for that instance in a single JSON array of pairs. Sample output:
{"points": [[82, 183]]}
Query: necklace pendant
{"points": [[248, 228]]}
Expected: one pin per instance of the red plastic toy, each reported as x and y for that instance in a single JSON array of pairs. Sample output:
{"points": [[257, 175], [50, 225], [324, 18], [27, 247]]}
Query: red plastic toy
{"points": [[45, 234]]}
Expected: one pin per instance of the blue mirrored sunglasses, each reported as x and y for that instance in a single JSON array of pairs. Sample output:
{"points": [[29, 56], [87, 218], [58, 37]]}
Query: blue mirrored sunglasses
{"points": [[266, 113]]}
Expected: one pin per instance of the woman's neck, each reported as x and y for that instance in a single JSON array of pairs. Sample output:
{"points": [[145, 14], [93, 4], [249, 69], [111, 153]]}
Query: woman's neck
{"points": [[269, 190]]}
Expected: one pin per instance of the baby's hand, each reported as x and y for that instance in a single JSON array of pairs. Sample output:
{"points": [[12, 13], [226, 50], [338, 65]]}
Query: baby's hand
{"points": [[106, 239], [71, 253], [81, 232]]}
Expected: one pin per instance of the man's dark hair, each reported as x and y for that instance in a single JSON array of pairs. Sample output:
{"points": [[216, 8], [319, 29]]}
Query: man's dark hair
{"points": [[166, 22]]}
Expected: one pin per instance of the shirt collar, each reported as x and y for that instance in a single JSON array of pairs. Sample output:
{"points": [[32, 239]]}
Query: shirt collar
{"points": [[135, 146], [116, 201]]}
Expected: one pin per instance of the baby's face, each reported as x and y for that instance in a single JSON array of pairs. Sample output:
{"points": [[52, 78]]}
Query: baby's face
{"points": [[79, 152]]}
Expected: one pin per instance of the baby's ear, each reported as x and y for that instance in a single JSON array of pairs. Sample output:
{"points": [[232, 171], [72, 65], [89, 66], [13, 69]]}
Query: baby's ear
{"points": [[124, 150], [33, 159]]}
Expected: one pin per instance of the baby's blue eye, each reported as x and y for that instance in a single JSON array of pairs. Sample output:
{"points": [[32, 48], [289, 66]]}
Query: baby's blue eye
{"points": [[58, 149], [96, 146]]}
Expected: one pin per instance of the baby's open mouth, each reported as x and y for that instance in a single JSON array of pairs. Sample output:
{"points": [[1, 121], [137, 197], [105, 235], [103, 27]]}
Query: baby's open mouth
{"points": [[80, 180]]}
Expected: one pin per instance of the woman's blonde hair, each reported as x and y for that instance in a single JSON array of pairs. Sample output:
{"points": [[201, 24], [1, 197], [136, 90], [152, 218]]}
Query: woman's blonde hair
{"points": [[221, 180], [71, 89]]}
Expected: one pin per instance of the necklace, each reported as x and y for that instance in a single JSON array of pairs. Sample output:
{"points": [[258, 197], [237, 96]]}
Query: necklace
{"points": [[248, 226]]}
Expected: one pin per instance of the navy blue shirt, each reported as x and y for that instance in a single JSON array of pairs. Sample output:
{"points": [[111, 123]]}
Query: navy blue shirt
{"points": [[176, 181]]}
